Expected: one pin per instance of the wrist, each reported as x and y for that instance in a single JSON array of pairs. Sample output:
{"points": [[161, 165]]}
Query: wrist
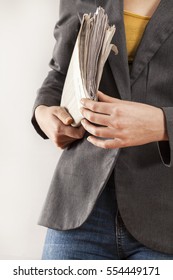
{"points": [[39, 110]]}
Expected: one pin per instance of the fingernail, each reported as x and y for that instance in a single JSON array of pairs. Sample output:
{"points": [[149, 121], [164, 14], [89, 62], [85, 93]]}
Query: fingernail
{"points": [[82, 101], [88, 138], [69, 120]]}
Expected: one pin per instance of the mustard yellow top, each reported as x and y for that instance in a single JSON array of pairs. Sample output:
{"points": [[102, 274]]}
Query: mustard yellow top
{"points": [[134, 28]]}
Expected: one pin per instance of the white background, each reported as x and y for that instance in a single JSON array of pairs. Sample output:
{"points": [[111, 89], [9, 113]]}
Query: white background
{"points": [[27, 161]]}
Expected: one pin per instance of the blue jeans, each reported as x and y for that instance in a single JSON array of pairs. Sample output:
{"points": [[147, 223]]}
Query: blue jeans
{"points": [[102, 236]]}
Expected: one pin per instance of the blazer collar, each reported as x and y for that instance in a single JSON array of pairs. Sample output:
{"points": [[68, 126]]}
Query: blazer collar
{"points": [[158, 29]]}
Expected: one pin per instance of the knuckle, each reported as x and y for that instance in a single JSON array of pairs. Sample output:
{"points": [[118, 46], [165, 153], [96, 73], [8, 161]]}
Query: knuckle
{"points": [[94, 131], [79, 135], [57, 130], [62, 114], [118, 111], [125, 142], [91, 118], [114, 123], [93, 106], [106, 145], [55, 109], [118, 124], [97, 132], [118, 143]]}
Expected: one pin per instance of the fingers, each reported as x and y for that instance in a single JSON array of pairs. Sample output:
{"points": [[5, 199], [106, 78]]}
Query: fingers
{"points": [[62, 114], [64, 143], [105, 98], [98, 131], [55, 123], [69, 131], [63, 135], [95, 106], [96, 118], [104, 105], [105, 144]]}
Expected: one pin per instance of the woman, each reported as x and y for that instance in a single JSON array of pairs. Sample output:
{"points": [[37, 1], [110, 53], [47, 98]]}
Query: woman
{"points": [[103, 204]]}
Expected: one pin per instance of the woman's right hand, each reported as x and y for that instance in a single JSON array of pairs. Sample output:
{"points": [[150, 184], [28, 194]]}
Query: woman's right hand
{"points": [[56, 124]]}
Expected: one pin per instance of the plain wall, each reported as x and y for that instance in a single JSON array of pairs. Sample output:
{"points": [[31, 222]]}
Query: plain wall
{"points": [[27, 162]]}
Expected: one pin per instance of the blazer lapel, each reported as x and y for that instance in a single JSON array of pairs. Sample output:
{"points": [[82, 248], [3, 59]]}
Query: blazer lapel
{"points": [[118, 63], [158, 29]]}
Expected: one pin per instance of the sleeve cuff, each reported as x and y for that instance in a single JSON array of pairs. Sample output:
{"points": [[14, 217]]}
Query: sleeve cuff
{"points": [[166, 147], [49, 95], [37, 127]]}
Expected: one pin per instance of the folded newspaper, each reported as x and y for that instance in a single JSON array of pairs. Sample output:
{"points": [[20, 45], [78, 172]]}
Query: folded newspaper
{"points": [[91, 50]]}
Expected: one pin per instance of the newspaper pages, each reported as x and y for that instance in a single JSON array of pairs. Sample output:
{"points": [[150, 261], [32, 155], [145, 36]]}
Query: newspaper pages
{"points": [[90, 53]]}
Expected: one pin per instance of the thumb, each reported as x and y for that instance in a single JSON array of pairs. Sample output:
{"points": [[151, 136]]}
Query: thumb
{"points": [[105, 98], [62, 114]]}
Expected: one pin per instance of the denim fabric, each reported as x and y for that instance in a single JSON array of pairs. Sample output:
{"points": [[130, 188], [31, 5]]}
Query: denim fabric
{"points": [[103, 236]]}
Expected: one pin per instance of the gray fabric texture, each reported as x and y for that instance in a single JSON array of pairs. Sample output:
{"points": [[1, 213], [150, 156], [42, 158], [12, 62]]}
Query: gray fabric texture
{"points": [[143, 175]]}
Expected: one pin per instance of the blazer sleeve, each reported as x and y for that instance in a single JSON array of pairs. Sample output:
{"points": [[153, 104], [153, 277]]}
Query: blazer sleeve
{"points": [[65, 33], [166, 147]]}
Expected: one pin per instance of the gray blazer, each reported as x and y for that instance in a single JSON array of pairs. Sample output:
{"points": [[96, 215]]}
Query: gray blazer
{"points": [[143, 175]]}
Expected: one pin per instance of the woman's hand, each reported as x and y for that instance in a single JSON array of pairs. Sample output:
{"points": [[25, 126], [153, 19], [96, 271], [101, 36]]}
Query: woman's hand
{"points": [[125, 123], [56, 124]]}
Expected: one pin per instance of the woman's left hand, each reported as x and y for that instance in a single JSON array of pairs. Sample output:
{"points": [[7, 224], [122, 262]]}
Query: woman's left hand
{"points": [[124, 123]]}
